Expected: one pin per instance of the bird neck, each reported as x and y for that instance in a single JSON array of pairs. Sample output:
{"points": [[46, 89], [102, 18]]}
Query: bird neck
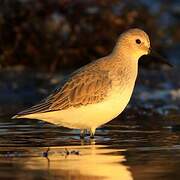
{"points": [[125, 65], [125, 58]]}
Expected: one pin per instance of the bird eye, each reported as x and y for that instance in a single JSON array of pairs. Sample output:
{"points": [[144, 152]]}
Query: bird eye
{"points": [[138, 41]]}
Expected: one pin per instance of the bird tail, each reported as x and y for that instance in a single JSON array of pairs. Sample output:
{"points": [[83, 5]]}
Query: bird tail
{"points": [[17, 116], [39, 108]]}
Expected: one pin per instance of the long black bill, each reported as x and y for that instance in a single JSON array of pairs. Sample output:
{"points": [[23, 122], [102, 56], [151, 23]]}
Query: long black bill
{"points": [[161, 59]]}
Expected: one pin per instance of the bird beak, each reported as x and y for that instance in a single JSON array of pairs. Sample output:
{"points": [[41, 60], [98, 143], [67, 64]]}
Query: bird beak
{"points": [[161, 59]]}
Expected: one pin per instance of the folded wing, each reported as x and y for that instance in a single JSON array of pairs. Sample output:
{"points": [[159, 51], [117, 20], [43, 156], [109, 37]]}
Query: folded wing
{"points": [[84, 87]]}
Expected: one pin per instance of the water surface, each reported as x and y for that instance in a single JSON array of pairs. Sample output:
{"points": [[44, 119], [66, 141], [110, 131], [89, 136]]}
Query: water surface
{"points": [[123, 149]]}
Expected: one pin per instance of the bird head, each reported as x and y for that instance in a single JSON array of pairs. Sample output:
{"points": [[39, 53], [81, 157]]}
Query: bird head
{"points": [[135, 43]]}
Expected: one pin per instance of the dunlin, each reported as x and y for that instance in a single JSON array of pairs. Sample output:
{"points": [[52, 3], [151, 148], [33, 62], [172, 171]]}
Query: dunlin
{"points": [[98, 92]]}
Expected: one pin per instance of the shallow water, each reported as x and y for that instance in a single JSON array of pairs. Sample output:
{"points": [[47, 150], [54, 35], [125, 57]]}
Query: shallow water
{"points": [[133, 149]]}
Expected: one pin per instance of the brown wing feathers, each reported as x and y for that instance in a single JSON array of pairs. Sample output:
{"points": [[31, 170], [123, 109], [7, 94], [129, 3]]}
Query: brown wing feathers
{"points": [[86, 87]]}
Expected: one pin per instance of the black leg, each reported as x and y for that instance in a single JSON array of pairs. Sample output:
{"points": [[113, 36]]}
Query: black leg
{"points": [[92, 132], [82, 133]]}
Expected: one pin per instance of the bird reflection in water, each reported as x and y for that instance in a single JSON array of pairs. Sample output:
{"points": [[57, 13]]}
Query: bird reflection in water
{"points": [[91, 161]]}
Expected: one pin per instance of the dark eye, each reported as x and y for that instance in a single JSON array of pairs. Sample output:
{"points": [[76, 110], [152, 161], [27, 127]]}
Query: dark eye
{"points": [[138, 41]]}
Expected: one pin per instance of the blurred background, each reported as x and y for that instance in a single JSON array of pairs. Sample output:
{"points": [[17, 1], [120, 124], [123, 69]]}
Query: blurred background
{"points": [[41, 41]]}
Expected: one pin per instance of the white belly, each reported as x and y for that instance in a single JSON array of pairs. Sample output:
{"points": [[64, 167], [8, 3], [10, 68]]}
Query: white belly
{"points": [[89, 116]]}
